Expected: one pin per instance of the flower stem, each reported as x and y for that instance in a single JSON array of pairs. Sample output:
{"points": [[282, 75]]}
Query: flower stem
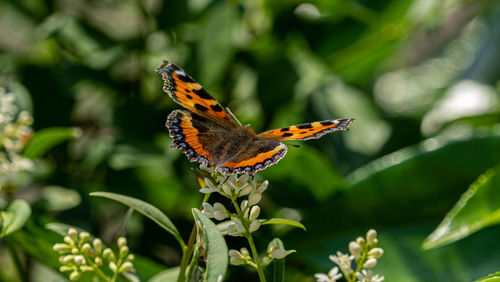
{"points": [[258, 265]]}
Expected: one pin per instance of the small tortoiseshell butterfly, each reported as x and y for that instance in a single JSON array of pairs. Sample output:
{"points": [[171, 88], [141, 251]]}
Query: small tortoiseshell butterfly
{"points": [[209, 134]]}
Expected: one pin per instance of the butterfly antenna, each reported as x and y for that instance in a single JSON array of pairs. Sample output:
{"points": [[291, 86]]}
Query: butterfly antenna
{"points": [[233, 116]]}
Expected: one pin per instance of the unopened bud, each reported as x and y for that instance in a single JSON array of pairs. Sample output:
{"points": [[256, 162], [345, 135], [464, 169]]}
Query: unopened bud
{"points": [[126, 266], [73, 234], [79, 259], [97, 243], [254, 226], [254, 198], [61, 248], [370, 236], [112, 266], [375, 253], [254, 213], [74, 275], [84, 237], [122, 241], [370, 263]]}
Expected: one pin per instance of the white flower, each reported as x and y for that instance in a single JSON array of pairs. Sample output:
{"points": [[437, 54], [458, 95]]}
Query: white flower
{"points": [[355, 249], [236, 228], [367, 276], [210, 188], [236, 258], [343, 261], [333, 275]]}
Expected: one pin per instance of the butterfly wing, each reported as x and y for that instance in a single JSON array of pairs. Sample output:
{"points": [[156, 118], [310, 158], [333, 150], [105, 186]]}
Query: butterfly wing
{"points": [[185, 91], [194, 135], [305, 131], [261, 154]]}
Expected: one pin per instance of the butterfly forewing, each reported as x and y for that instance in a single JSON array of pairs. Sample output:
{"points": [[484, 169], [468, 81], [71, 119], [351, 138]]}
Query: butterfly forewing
{"points": [[185, 91], [306, 131]]}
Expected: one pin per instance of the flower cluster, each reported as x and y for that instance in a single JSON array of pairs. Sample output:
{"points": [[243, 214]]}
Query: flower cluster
{"points": [[364, 252], [233, 187], [245, 194], [78, 256], [14, 132]]}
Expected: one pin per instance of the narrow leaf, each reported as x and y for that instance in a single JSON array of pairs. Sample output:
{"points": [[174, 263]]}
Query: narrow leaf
{"points": [[15, 216], [47, 138], [494, 277], [168, 275], [478, 208], [147, 210], [214, 244], [284, 221]]}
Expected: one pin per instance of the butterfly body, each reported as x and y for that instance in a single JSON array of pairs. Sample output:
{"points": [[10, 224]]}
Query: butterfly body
{"points": [[208, 134]]}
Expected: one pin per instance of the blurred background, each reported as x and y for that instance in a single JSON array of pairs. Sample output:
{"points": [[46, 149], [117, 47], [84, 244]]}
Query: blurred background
{"points": [[421, 78]]}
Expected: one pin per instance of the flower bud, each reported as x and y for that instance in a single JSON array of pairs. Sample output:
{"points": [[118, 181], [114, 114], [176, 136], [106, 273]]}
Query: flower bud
{"points": [[124, 251], [126, 266], [244, 252], [61, 248], [85, 268], [254, 226], [97, 243], [370, 236], [113, 267], [254, 213], [98, 261], [266, 260], [84, 237], [226, 187], [254, 198], [361, 241], [370, 263], [220, 212], [375, 253], [66, 259], [74, 275], [246, 190], [278, 253], [86, 248], [65, 268], [108, 254], [355, 249], [244, 205], [68, 240], [79, 259], [122, 241], [75, 251], [236, 258], [73, 234], [130, 257]]}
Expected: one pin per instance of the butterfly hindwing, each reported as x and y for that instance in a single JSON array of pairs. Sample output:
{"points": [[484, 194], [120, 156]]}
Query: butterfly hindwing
{"points": [[305, 131], [184, 90], [259, 156]]}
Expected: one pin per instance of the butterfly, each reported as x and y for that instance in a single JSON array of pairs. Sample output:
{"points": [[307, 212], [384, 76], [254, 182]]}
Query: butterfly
{"points": [[209, 134]]}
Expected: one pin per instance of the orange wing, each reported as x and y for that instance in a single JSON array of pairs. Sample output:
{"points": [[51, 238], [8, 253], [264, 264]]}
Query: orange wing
{"points": [[264, 153], [313, 130], [185, 91]]}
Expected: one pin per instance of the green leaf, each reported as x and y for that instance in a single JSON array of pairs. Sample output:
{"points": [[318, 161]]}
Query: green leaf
{"points": [[214, 244], [58, 198], [15, 216], [169, 275], [494, 277], [478, 208], [47, 138], [284, 221], [276, 269], [147, 210]]}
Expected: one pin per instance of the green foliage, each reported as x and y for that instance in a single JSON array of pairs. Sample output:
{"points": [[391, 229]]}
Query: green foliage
{"points": [[16, 215], [283, 221], [147, 210], [214, 245], [478, 207], [46, 139]]}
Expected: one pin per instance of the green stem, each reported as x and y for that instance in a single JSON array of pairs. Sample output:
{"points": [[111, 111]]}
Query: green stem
{"points": [[17, 262], [248, 235]]}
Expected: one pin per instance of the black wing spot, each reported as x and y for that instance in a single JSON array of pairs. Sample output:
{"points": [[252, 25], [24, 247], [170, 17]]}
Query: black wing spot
{"points": [[200, 107], [189, 96], [303, 132], [216, 108], [202, 93], [185, 78], [285, 129], [187, 90], [288, 134], [326, 123], [304, 126]]}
